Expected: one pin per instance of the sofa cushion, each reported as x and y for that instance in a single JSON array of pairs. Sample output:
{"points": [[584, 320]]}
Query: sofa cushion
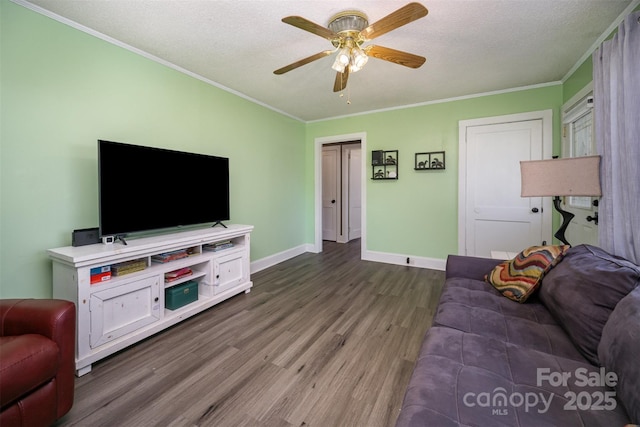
{"points": [[468, 379], [582, 291], [619, 350], [469, 267], [519, 277], [475, 306], [26, 362]]}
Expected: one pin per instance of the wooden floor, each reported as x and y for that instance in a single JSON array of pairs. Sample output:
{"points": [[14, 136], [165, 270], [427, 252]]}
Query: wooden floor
{"points": [[322, 340]]}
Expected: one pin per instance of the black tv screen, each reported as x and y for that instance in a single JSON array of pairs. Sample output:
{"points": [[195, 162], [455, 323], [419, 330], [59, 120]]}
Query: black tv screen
{"points": [[145, 188]]}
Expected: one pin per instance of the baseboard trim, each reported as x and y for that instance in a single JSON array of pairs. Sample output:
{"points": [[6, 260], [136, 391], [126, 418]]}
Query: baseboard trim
{"points": [[388, 258], [400, 259], [271, 260]]}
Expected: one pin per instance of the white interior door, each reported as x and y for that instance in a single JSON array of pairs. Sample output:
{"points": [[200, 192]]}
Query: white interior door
{"points": [[497, 218], [354, 194], [330, 192]]}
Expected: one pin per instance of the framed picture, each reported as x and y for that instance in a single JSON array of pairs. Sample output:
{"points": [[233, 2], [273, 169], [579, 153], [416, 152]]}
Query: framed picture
{"points": [[384, 164], [433, 160]]}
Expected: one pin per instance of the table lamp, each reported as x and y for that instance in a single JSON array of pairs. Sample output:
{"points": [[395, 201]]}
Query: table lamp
{"points": [[573, 176]]}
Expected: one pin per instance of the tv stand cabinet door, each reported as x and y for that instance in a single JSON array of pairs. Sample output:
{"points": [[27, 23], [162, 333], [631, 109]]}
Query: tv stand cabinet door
{"points": [[124, 309], [230, 271]]}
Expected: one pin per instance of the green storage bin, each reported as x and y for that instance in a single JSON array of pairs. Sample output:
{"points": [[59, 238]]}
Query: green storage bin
{"points": [[181, 295]]}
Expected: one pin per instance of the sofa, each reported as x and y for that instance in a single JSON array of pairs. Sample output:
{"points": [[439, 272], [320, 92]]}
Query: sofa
{"points": [[569, 355], [37, 361]]}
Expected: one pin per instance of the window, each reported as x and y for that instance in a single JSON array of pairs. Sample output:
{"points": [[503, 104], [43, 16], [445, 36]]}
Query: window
{"points": [[578, 138]]}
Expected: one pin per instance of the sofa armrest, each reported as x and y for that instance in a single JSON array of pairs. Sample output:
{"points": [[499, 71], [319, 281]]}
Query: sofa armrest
{"points": [[54, 319], [469, 267]]}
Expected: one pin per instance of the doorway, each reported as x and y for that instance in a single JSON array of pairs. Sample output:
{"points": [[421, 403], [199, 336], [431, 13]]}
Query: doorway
{"points": [[492, 216], [341, 200], [354, 186]]}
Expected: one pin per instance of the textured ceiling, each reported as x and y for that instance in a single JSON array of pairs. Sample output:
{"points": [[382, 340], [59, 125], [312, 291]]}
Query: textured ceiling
{"points": [[471, 46]]}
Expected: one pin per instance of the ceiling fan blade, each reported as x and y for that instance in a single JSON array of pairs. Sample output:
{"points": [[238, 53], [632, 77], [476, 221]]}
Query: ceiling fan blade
{"points": [[341, 80], [312, 27], [396, 56], [400, 17], [302, 62]]}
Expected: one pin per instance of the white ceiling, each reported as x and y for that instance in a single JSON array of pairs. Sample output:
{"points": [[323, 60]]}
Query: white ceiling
{"points": [[471, 46]]}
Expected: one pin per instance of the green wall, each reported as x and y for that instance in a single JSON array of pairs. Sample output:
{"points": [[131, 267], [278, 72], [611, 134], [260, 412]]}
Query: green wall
{"points": [[579, 79], [418, 214], [62, 89]]}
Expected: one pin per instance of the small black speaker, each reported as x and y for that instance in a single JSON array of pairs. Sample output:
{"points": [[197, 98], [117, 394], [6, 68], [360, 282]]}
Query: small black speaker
{"points": [[86, 236]]}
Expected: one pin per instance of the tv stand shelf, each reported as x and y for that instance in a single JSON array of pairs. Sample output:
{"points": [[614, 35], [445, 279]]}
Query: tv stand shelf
{"points": [[127, 308]]}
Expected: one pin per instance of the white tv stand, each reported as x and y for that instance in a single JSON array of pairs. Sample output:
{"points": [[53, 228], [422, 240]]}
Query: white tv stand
{"points": [[125, 309]]}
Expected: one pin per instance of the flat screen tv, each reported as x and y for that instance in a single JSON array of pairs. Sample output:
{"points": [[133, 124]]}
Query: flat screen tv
{"points": [[145, 188]]}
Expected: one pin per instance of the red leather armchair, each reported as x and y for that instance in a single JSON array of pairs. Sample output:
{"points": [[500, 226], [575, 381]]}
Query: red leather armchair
{"points": [[37, 361]]}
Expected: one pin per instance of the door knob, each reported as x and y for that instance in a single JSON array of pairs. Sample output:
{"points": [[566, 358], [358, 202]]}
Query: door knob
{"points": [[534, 210], [593, 218], [333, 201]]}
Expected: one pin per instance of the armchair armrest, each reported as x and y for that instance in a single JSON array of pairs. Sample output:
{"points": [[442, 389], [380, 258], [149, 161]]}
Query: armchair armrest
{"points": [[54, 319], [48, 317], [469, 267]]}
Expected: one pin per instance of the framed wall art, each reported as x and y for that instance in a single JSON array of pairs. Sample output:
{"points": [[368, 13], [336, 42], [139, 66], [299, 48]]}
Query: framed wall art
{"points": [[433, 160]]}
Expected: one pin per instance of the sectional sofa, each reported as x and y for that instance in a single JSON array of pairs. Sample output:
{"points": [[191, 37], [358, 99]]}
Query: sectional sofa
{"points": [[568, 355]]}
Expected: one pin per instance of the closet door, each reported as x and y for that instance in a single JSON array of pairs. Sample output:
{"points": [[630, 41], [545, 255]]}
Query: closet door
{"points": [[330, 192], [354, 192]]}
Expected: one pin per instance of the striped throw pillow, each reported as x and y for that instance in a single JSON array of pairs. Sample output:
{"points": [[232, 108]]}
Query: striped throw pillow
{"points": [[518, 278]]}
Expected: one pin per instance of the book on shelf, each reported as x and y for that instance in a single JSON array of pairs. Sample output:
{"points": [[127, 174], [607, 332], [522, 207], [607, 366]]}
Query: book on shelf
{"points": [[127, 267], [100, 277], [170, 256], [99, 274], [177, 274], [218, 246], [100, 270]]}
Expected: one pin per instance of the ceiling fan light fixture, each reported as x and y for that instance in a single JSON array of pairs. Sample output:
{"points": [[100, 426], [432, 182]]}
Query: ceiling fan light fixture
{"points": [[358, 59], [344, 56], [338, 66], [342, 59]]}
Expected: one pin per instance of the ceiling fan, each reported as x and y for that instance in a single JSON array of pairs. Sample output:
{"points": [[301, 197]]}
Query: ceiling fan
{"points": [[347, 31]]}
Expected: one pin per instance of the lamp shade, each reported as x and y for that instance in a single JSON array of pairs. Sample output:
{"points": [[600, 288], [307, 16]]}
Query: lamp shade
{"points": [[574, 176]]}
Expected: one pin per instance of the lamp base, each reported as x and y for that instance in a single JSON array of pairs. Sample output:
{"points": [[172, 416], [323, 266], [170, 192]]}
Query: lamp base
{"points": [[566, 219]]}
